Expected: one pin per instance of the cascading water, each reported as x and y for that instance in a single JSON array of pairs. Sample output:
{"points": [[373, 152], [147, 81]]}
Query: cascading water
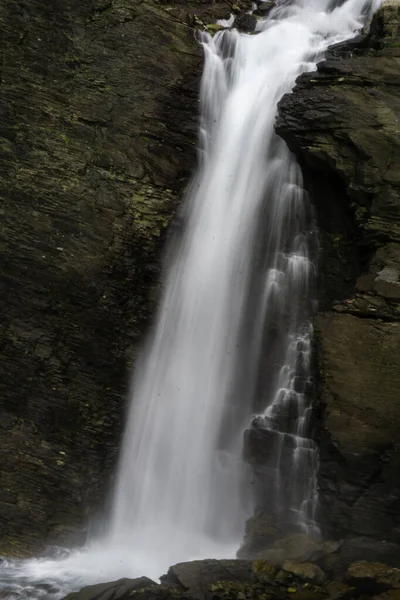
{"points": [[232, 336]]}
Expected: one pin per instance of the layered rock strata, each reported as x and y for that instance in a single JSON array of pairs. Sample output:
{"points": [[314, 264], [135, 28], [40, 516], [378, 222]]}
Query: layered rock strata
{"points": [[98, 128], [343, 123]]}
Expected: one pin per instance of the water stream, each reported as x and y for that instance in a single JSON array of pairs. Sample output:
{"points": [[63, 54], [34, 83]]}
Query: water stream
{"points": [[233, 332]]}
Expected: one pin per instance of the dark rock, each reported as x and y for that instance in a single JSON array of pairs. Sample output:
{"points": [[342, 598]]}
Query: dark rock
{"points": [[259, 445], [241, 580], [246, 23], [373, 577], [352, 549], [198, 576], [115, 590], [300, 548], [307, 571], [337, 590], [261, 533], [214, 580], [342, 123], [264, 8], [389, 595], [98, 131]]}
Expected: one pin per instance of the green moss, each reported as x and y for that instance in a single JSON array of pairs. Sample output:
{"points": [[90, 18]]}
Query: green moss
{"points": [[262, 567], [213, 27], [360, 212], [229, 588], [233, 590], [12, 547]]}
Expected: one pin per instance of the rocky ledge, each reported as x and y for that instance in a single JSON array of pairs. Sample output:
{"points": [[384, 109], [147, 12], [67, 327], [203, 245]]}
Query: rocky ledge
{"points": [[241, 580], [343, 123]]}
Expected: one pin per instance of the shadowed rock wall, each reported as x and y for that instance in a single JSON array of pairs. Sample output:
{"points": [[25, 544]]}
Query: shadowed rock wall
{"points": [[98, 124], [343, 124], [98, 119]]}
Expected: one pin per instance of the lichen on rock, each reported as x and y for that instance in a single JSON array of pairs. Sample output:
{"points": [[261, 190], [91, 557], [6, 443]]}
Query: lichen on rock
{"points": [[98, 128]]}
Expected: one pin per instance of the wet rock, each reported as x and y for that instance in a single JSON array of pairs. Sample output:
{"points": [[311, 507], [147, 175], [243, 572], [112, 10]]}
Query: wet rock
{"points": [[337, 590], [246, 580], [198, 576], [264, 570], [299, 548], [337, 563], [342, 123], [246, 23], [264, 8], [369, 576], [307, 571], [260, 445], [263, 540], [261, 532], [97, 141], [389, 595], [330, 546], [274, 556], [116, 590]]}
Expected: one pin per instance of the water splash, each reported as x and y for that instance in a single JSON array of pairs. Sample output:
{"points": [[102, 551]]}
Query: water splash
{"points": [[232, 335]]}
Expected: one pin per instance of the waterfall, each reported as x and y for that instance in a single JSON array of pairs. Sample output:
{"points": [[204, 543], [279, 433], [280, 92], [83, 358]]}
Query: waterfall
{"points": [[229, 351], [235, 311]]}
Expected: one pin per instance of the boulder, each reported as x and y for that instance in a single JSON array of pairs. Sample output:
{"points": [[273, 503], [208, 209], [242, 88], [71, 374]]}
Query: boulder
{"points": [[246, 23], [350, 551], [307, 571], [198, 576], [115, 590], [299, 547], [264, 8], [246, 580], [370, 575], [389, 595], [337, 590], [261, 533]]}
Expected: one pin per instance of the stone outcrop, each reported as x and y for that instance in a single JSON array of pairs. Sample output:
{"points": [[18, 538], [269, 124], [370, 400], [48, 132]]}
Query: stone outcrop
{"points": [[239, 580], [114, 590], [343, 123], [98, 128]]}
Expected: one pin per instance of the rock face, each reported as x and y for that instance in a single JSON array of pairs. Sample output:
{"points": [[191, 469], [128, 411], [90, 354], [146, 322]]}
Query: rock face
{"points": [[98, 122], [98, 127], [115, 590], [343, 122], [241, 580]]}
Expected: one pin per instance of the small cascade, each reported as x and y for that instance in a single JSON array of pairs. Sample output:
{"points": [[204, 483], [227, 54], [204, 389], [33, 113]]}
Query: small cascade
{"points": [[279, 444]]}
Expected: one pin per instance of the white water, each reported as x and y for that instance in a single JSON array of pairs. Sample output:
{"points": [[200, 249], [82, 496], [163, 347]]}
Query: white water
{"points": [[232, 332]]}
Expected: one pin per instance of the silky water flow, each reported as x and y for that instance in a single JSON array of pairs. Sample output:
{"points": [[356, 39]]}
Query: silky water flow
{"points": [[233, 332]]}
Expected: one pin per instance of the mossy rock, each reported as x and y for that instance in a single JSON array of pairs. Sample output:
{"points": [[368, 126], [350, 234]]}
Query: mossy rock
{"points": [[363, 572], [262, 568]]}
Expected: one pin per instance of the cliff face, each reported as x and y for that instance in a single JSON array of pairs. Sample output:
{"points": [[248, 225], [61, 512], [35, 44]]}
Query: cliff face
{"points": [[98, 126], [343, 122]]}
